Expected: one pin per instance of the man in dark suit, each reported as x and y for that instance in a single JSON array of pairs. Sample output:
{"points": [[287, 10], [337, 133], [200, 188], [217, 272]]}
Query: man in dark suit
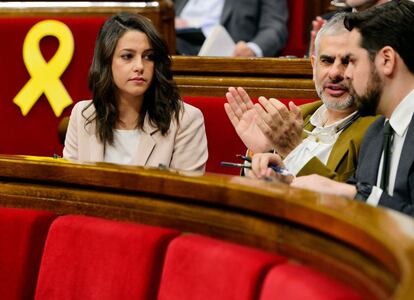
{"points": [[381, 72], [259, 27]]}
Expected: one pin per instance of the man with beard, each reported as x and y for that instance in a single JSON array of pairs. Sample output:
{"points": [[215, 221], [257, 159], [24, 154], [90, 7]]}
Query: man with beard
{"points": [[334, 129], [381, 71]]}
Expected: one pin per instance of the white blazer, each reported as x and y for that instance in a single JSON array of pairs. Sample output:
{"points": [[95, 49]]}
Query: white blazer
{"points": [[184, 147]]}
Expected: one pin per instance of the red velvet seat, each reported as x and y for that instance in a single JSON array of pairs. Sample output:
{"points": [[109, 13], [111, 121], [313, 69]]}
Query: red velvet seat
{"points": [[93, 258], [22, 236], [223, 141], [297, 41], [201, 268], [295, 282]]}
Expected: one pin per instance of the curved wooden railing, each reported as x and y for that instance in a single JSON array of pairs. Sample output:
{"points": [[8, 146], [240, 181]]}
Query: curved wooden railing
{"points": [[369, 248]]}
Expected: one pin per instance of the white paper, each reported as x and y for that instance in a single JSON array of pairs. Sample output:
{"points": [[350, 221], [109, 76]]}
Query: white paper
{"points": [[218, 43]]}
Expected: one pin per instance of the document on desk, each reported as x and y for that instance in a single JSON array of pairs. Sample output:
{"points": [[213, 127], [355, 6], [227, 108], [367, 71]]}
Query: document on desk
{"points": [[218, 43]]}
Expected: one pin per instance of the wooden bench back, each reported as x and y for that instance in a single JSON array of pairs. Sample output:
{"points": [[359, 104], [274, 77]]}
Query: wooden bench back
{"points": [[269, 77]]}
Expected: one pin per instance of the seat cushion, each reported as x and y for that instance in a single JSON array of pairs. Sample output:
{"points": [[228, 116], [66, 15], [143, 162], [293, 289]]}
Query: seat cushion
{"points": [[203, 268], [22, 237], [296, 282], [94, 258]]}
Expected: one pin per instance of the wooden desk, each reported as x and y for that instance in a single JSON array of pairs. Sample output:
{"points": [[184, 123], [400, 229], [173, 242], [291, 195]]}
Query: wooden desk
{"points": [[369, 248]]}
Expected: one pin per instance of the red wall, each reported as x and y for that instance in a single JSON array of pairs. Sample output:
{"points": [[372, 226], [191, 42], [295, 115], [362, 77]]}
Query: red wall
{"points": [[36, 133]]}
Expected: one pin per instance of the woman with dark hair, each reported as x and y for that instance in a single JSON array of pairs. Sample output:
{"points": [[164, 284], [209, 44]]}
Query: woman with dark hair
{"points": [[136, 116]]}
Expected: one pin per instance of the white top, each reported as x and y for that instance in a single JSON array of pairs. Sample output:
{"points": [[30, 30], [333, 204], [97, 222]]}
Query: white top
{"points": [[399, 121], [125, 147], [319, 142], [204, 14]]}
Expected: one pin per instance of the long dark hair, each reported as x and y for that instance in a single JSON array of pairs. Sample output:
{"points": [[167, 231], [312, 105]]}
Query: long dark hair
{"points": [[161, 100]]}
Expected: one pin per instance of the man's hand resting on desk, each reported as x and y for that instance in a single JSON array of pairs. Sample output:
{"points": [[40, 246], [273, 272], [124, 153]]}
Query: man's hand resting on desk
{"points": [[260, 169], [322, 184], [243, 50]]}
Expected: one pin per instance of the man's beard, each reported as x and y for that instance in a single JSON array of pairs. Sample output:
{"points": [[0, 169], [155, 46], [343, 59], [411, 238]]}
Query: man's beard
{"points": [[342, 105], [367, 104]]}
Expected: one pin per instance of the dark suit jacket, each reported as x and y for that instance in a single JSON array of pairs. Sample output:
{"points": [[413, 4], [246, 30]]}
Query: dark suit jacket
{"points": [[368, 165], [263, 22]]}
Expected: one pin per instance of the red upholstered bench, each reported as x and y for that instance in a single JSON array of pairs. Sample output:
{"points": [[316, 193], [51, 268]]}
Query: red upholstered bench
{"points": [[223, 141], [22, 236], [94, 258], [297, 282], [201, 268]]}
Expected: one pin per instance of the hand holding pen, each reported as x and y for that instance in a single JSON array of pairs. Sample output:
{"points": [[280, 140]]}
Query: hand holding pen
{"points": [[259, 169], [265, 165]]}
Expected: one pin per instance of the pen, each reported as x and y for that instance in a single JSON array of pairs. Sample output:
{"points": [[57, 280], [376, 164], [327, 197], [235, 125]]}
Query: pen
{"points": [[230, 164], [281, 171]]}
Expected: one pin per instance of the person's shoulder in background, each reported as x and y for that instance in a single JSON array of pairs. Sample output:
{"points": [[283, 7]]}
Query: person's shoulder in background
{"points": [[327, 16]]}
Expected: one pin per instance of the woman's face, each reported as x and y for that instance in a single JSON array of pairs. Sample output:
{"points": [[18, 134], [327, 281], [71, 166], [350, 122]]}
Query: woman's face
{"points": [[132, 65]]}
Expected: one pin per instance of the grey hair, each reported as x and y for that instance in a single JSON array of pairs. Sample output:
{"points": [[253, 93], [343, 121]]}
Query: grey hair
{"points": [[334, 26]]}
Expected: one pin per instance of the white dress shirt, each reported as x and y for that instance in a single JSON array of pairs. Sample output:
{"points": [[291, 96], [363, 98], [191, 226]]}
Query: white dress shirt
{"points": [[124, 149], [399, 121], [205, 14], [318, 144]]}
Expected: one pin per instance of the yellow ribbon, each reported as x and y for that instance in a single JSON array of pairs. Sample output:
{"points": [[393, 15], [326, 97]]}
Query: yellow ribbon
{"points": [[45, 76]]}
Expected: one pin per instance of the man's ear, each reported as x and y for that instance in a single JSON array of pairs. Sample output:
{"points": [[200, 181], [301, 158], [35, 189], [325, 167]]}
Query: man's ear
{"points": [[313, 62], [387, 60], [312, 59]]}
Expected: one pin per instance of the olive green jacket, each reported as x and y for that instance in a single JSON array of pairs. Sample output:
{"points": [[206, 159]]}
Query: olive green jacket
{"points": [[343, 158]]}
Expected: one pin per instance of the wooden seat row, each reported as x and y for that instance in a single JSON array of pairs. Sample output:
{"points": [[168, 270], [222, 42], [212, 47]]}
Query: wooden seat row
{"points": [[82, 257], [366, 250]]}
